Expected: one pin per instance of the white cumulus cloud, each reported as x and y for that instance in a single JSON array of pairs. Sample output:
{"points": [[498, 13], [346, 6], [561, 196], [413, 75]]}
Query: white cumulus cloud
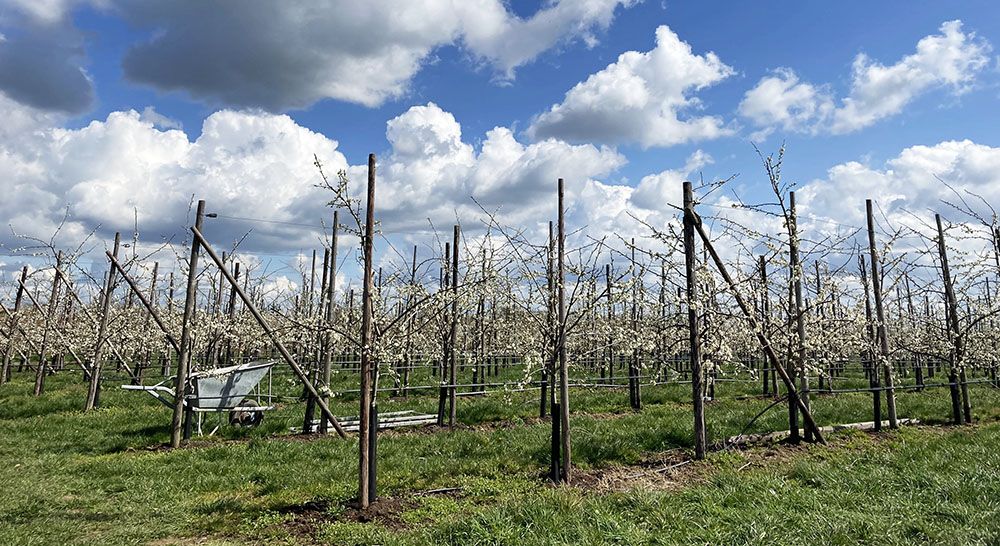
{"points": [[951, 59], [643, 97]]}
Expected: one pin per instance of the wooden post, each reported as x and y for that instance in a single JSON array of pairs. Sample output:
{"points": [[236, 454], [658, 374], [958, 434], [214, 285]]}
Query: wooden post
{"points": [[765, 316], [408, 360], [800, 321], [287, 356], [748, 315], [184, 353], [453, 337], [477, 371], [548, 342], [12, 329], [48, 323], [918, 365], [957, 376], [93, 391], [365, 492], [320, 351], [883, 336], [50, 312], [690, 270], [661, 364], [329, 306], [142, 299], [231, 313], [872, 368], [635, 394], [165, 367], [825, 375], [148, 357], [444, 274], [609, 302], [566, 469]]}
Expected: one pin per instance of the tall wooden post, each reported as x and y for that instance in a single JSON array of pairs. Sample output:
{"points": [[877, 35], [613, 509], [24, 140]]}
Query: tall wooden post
{"points": [[453, 336], [883, 336], [329, 306], [93, 390], [366, 493], [690, 270], [800, 320], [167, 355], [49, 314], [918, 362], [231, 313], [444, 276], [765, 317], [566, 469], [610, 303], [957, 376], [408, 360], [548, 339], [320, 352], [752, 320], [872, 367], [12, 331], [635, 395], [184, 354]]}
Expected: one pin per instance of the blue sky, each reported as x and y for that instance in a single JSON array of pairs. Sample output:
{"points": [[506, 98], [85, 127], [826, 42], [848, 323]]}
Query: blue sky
{"points": [[176, 59], [817, 40]]}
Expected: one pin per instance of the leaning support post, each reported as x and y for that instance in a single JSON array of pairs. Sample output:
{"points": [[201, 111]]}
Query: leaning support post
{"points": [[748, 313], [690, 263], [145, 301], [48, 323], [248, 302]]}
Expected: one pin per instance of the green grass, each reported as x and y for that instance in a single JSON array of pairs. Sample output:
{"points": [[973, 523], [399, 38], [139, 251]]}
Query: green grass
{"points": [[102, 478]]}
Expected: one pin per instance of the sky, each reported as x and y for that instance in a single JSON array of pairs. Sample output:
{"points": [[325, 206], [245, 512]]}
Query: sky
{"points": [[118, 112]]}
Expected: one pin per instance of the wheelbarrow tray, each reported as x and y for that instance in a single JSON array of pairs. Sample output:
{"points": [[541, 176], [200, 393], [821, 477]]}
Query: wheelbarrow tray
{"points": [[219, 389], [222, 389]]}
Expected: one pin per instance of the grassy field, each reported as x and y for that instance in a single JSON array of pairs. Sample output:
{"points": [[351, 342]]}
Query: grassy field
{"points": [[104, 477]]}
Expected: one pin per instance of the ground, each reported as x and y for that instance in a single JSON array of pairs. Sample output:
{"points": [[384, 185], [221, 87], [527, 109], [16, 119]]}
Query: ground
{"points": [[105, 477]]}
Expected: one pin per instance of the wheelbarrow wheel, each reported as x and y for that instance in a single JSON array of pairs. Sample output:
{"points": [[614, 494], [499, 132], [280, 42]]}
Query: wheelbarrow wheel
{"points": [[247, 418]]}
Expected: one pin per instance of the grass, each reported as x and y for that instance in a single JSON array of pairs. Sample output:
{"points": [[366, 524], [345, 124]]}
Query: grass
{"points": [[103, 478]]}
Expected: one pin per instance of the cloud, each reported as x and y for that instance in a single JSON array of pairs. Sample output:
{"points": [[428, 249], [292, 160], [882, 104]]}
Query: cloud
{"points": [[655, 190], [42, 57], [781, 100], [508, 41], [642, 97], [125, 169], [150, 115], [951, 59], [431, 173], [907, 183], [291, 54]]}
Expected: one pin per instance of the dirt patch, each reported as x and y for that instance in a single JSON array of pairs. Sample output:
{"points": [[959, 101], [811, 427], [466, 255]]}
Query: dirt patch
{"points": [[306, 520], [674, 470], [667, 471]]}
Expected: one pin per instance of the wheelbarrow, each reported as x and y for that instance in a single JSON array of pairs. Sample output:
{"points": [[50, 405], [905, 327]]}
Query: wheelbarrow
{"points": [[218, 390]]}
